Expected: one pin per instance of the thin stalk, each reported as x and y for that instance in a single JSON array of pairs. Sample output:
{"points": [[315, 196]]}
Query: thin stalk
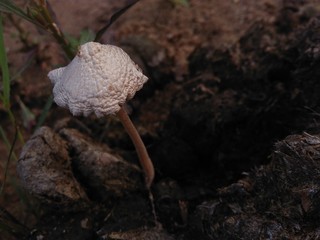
{"points": [[8, 161], [13, 120], [5, 70], [57, 33], [6, 80], [143, 155], [44, 112], [6, 142]]}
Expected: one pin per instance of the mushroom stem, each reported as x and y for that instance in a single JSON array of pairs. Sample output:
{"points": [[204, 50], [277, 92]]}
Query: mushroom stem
{"points": [[144, 158]]}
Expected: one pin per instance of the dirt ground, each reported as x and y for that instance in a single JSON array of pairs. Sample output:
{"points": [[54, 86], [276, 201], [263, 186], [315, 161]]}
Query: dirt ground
{"points": [[228, 82]]}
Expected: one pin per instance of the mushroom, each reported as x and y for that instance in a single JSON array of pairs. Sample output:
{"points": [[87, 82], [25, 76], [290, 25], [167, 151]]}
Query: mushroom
{"points": [[99, 80]]}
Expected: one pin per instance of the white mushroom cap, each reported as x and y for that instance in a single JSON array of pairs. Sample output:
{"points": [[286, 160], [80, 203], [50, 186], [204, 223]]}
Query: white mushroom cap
{"points": [[99, 79]]}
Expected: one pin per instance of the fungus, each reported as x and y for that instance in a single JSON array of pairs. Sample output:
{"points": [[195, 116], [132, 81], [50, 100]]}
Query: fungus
{"points": [[100, 79]]}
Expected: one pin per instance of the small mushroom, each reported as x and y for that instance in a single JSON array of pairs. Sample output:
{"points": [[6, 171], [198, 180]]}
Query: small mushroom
{"points": [[99, 80]]}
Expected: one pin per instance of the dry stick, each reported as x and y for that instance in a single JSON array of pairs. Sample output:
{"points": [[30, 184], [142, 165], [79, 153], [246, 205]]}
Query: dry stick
{"points": [[144, 158]]}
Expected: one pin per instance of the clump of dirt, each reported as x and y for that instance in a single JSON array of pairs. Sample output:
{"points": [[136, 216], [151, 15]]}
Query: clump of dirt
{"points": [[279, 200]]}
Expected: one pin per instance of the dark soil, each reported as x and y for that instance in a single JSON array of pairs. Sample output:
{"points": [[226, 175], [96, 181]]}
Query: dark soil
{"points": [[229, 80]]}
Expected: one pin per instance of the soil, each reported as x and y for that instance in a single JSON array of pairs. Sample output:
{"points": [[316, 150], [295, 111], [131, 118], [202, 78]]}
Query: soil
{"points": [[230, 82]]}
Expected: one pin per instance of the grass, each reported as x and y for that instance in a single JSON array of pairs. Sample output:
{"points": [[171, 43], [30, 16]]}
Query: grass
{"points": [[5, 99], [5, 96], [7, 222]]}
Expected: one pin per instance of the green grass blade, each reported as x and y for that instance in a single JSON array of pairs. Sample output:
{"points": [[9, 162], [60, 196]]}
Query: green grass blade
{"points": [[45, 112], [86, 36], [23, 68], [4, 69], [181, 2], [27, 116], [8, 161], [4, 137], [5, 96], [6, 141], [8, 6]]}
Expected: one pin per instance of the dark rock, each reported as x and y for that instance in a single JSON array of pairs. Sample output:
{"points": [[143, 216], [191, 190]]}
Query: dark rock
{"points": [[99, 169], [277, 201], [44, 168], [69, 167]]}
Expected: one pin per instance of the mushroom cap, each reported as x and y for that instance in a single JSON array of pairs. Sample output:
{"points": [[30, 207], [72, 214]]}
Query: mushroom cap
{"points": [[99, 79]]}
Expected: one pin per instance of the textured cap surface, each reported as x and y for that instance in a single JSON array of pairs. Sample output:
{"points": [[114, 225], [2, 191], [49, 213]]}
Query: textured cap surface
{"points": [[99, 79]]}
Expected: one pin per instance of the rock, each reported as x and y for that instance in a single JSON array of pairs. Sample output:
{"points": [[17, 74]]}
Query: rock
{"points": [[69, 167], [44, 168], [99, 169], [277, 201]]}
